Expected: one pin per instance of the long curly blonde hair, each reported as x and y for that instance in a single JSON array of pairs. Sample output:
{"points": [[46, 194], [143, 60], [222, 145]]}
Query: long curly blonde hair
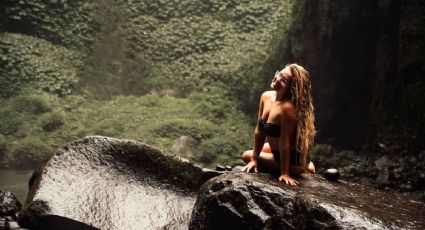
{"points": [[302, 99]]}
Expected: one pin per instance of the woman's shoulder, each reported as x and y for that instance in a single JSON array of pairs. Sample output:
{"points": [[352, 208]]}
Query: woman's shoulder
{"points": [[268, 94]]}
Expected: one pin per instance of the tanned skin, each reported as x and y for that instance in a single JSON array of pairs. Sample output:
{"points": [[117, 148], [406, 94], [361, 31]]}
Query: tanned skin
{"points": [[276, 108]]}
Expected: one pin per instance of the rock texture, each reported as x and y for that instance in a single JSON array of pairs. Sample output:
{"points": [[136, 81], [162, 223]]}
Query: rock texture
{"points": [[9, 208], [9, 204], [257, 201], [107, 183]]}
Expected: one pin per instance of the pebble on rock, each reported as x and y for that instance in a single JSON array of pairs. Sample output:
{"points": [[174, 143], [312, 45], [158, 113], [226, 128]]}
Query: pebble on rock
{"points": [[13, 225], [220, 168], [332, 174]]}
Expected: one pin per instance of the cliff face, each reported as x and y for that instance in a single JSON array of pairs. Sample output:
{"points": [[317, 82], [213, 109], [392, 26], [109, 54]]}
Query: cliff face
{"points": [[366, 59]]}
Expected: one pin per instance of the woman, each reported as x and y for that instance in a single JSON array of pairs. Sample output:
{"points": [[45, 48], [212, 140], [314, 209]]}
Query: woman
{"points": [[286, 118]]}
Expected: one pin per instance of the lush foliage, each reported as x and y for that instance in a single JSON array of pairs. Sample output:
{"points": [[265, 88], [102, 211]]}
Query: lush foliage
{"points": [[153, 71], [186, 46], [64, 22], [156, 120], [29, 62]]}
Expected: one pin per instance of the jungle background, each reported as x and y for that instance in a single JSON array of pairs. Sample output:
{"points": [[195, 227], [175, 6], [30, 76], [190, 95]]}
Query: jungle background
{"points": [[186, 76]]}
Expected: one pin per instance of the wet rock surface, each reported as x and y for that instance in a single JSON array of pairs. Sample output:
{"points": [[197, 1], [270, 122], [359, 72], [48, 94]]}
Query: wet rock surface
{"points": [[9, 208], [9, 204], [107, 183], [257, 201], [400, 173]]}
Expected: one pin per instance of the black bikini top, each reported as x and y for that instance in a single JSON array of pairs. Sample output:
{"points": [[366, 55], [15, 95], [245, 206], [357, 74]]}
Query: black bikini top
{"points": [[270, 129]]}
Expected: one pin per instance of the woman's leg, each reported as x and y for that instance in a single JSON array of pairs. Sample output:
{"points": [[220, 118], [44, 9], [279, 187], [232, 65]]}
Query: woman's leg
{"points": [[266, 163], [246, 156]]}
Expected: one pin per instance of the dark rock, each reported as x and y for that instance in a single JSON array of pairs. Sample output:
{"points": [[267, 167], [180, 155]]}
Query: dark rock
{"points": [[228, 168], [259, 201], [382, 165], [421, 155], [107, 183], [332, 174], [13, 225], [209, 173], [3, 224], [220, 168], [9, 204]]}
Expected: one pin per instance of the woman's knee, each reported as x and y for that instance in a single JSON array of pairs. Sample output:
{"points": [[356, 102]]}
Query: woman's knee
{"points": [[266, 148], [246, 156]]}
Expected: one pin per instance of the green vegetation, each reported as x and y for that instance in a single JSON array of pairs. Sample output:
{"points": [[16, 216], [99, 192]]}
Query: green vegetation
{"points": [[155, 120], [28, 62], [64, 22], [152, 71]]}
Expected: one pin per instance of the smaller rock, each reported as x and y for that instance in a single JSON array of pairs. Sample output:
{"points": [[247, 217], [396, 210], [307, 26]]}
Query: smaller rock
{"points": [[228, 168], [3, 224], [9, 204], [13, 225], [332, 174], [382, 162], [421, 155], [220, 168], [209, 173], [382, 146]]}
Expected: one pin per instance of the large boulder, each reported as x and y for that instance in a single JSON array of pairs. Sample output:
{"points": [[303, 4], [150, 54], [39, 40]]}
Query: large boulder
{"points": [[107, 183], [258, 201]]}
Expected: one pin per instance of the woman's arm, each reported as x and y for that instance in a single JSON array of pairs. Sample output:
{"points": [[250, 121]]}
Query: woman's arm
{"points": [[288, 124], [259, 135], [259, 138]]}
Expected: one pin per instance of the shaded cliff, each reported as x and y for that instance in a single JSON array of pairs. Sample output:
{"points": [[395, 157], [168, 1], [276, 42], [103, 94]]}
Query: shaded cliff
{"points": [[367, 64]]}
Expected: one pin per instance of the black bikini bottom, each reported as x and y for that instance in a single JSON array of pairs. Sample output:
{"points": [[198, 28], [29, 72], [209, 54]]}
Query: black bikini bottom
{"points": [[294, 156]]}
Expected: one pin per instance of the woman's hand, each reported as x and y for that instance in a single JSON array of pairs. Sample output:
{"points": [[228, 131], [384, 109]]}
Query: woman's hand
{"points": [[251, 165], [288, 180]]}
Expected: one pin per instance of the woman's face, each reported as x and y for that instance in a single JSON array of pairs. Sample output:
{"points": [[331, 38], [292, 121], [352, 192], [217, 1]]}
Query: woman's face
{"points": [[281, 79]]}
